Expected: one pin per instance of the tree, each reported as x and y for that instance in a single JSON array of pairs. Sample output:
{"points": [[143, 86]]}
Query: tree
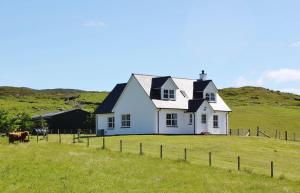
{"points": [[4, 121], [23, 121]]}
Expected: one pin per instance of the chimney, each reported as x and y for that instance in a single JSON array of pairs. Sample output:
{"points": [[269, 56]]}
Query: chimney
{"points": [[203, 75]]}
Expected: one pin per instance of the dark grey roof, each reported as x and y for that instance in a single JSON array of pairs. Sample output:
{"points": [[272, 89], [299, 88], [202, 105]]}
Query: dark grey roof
{"points": [[194, 104], [198, 88], [52, 114], [110, 101], [158, 82]]}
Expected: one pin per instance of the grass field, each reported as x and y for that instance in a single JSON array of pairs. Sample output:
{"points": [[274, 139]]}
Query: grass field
{"points": [[53, 167]]}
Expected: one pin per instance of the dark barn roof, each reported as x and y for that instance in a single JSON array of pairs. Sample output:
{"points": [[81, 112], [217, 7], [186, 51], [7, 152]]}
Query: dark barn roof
{"points": [[194, 104], [67, 120], [110, 101]]}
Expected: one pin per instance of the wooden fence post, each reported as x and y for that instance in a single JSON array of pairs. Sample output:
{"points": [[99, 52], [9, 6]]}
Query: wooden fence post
{"points": [[121, 145], [276, 134], [59, 138], [141, 149], [103, 143], [249, 131], [285, 135], [37, 137], [272, 169], [47, 137], [209, 158], [229, 131], [257, 131], [238, 132], [185, 154], [78, 136], [88, 142], [161, 151], [73, 138], [239, 163]]}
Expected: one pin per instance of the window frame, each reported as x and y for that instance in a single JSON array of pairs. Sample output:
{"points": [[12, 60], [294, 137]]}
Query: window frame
{"points": [[171, 120], [111, 122], [203, 121], [166, 94], [191, 119], [212, 97], [215, 121], [207, 96], [125, 121]]}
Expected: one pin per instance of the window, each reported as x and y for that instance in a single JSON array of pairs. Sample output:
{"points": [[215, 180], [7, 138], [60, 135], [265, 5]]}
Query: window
{"points": [[126, 120], [191, 119], [171, 120], [212, 97], [169, 94], [216, 121], [166, 94], [111, 122], [203, 118], [207, 96]]}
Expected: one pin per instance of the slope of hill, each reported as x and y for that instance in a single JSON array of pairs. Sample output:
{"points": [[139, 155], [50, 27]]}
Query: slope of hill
{"points": [[252, 106], [268, 109], [14, 99]]}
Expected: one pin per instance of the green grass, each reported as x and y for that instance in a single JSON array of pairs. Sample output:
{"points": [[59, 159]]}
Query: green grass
{"points": [[16, 100], [53, 167]]}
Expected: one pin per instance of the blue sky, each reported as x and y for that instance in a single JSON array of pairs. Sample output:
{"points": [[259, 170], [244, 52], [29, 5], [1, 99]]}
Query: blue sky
{"points": [[95, 44]]}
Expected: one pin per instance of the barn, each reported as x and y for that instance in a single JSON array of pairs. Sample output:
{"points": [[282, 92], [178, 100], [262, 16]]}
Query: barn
{"points": [[67, 121]]}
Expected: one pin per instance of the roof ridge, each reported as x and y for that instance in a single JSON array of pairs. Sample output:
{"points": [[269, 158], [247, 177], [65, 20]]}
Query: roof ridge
{"points": [[158, 76]]}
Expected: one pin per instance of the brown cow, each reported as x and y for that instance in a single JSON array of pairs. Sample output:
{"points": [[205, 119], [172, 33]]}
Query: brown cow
{"points": [[17, 136]]}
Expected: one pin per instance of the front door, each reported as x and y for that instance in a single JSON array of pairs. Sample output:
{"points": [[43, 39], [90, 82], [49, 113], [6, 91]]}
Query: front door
{"points": [[204, 123]]}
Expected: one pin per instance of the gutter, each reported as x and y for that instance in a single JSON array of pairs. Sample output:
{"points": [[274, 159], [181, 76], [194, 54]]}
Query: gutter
{"points": [[158, 121], [194, 123]]}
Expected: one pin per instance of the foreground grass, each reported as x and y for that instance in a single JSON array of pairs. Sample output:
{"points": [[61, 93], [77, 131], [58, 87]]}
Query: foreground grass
{"points": [[255, 153], [53, 167]]}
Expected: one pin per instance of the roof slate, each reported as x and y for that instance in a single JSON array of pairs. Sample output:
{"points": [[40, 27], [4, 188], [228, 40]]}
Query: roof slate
{"points": [[110, 101]]}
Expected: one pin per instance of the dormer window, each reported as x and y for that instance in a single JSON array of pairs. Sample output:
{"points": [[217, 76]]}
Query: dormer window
{"points": [[169, 94], [207, 96], [212, 97]]}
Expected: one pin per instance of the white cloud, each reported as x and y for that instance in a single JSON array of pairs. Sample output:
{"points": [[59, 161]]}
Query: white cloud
{"points": [[94, 24], [281, 75], [292, 90], [284, 75], [295, 44]]}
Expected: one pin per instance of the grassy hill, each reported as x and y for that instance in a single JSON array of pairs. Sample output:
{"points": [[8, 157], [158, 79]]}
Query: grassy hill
{"points": [[252, 106], [32, 101], [255, 106], [53, 167]]}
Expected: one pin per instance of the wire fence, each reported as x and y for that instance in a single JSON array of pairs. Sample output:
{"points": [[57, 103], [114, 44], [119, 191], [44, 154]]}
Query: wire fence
{"points": [[225, 158]]}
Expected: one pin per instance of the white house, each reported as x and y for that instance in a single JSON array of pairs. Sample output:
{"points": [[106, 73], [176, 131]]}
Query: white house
{"points": [[149, 104]]}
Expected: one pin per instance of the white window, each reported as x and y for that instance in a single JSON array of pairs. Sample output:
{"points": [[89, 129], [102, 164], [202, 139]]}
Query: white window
{"points": [[190, 119], [111, 122], [126, 120], [212, 97], [166, 94], [216, 121], [207, 96], [169, 94], [171, 119], [203, 118]]}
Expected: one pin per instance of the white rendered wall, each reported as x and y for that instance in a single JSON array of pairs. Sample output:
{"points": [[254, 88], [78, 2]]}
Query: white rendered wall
{"points": [[136, 102], [183, 126]]}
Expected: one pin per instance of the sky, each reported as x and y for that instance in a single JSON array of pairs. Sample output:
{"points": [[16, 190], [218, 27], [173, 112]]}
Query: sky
{"points": [[94, 44]]}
